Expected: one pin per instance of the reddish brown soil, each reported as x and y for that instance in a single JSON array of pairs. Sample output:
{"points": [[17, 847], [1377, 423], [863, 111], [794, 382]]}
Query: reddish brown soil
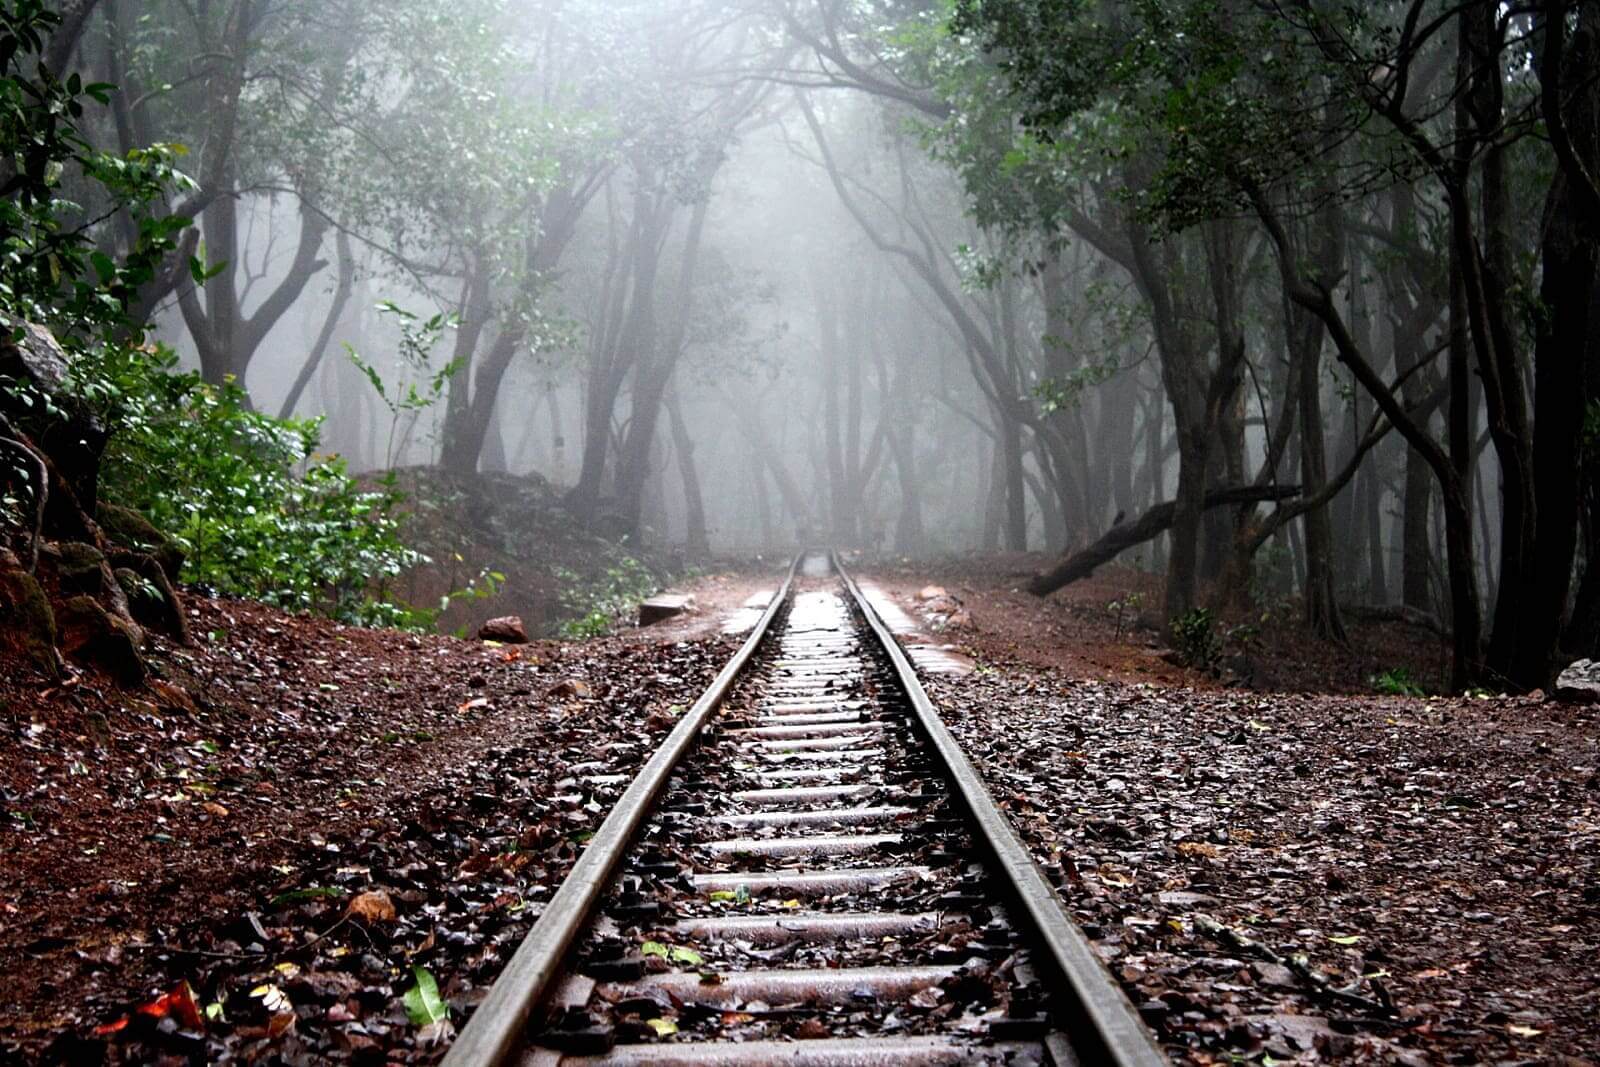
{"points": [[1082, 632], [229, 841], [151, 840]]}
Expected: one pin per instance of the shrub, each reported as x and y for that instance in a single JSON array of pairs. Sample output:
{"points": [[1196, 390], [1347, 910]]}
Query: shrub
{"points": [[596, 604], [1398, 682], [1196, 640], [257, 511]]}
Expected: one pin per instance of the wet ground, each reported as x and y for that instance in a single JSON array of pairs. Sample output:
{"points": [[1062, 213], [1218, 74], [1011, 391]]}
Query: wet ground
{"points": [[263, 859]]}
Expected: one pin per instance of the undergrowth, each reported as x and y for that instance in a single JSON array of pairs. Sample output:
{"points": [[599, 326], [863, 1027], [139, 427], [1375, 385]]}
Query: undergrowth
{"points": [[257, 510], [597, 603]]}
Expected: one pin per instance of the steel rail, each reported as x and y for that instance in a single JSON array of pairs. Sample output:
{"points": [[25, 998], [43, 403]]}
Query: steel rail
{"points": [[1109, 1030], [495, 1030]]}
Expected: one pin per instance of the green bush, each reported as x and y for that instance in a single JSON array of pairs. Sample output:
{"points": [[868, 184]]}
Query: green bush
{"points": [[1398, 682], [1196, 640], [257, 511], [596, 604]]}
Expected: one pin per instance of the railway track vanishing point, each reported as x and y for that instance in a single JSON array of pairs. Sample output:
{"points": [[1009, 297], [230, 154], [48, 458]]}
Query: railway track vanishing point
{"points": [[824, 881]]}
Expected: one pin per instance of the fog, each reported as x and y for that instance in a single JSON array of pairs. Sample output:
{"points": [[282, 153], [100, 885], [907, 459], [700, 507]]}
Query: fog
{"points": [[818, 385], [733, 276]]}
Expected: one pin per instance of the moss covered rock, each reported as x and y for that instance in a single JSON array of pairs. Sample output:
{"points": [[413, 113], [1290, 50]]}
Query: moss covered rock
{"points": [[26, 621], [128, 529]]}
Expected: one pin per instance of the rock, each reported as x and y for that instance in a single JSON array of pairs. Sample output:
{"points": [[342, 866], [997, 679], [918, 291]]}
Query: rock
{"points": [[82, 568], [92, 634], [932, 592], [26, 621], [666, 606], [130, 530], [567, 689], [508, 630], [66, 431], [1579, 683]]}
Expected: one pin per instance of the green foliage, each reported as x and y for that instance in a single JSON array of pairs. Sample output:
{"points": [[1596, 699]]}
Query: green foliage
{"points": [[258, 513], [1398, 682], [418, 337], [423, 1004], [50, 269], [1123, 607], [1196, 639], [1067, 391], [597, 604], [594, 624]]}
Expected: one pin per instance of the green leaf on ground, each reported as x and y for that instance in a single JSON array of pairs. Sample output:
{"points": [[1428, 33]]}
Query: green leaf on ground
{"points": [[423, 1005]]}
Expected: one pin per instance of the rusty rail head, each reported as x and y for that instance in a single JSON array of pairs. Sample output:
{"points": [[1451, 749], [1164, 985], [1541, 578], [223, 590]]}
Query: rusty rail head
{"points": [[1108, 1030], [494, 1032]]}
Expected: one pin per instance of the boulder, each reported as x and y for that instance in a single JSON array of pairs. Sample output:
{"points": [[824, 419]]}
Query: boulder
{"points": [[93, 635], [26, 621], [68, 433], [508, 630], [127, 529], [1579, 683]]}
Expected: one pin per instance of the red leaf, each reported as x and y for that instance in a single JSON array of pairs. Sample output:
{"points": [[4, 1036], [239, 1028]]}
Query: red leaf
{"points": [[179, 1003]]}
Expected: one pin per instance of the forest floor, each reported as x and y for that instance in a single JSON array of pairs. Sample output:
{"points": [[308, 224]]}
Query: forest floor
{"points": [[267, 850], [263, 847], [1301, 871]]}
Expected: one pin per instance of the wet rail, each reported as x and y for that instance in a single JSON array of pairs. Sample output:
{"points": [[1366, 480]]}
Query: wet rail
{"points": [[808, 871]]}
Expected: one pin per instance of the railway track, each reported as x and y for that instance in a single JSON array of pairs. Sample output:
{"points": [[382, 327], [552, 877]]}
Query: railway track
{"points": [[810, 872]]}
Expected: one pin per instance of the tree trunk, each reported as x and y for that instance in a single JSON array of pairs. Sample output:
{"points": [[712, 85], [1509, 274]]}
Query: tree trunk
{"points": [[1563, 337], [319, 348], [694, 508]]}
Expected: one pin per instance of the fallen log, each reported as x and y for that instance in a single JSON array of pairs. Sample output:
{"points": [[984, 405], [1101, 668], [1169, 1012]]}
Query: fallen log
{"points": [[1146, 527], [1398, 613]]}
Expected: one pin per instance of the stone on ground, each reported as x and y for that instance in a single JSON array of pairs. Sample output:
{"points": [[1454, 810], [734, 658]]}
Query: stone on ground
{"points": [[666, 606], [507, 629]]}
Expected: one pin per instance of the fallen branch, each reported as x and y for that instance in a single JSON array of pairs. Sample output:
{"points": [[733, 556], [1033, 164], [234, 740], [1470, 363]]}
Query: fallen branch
{"points": [[1398, 613], [1297, 965], [1146, 527]]}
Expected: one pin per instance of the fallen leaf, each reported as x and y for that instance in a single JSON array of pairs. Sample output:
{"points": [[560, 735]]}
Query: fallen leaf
{"points": [[373, 907], [662, 1027], [423, 1005], [178, 1003], [272, 998]]}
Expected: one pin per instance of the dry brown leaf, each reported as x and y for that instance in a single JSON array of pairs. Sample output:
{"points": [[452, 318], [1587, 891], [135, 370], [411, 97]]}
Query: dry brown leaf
{"points": [[373, 907]]}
